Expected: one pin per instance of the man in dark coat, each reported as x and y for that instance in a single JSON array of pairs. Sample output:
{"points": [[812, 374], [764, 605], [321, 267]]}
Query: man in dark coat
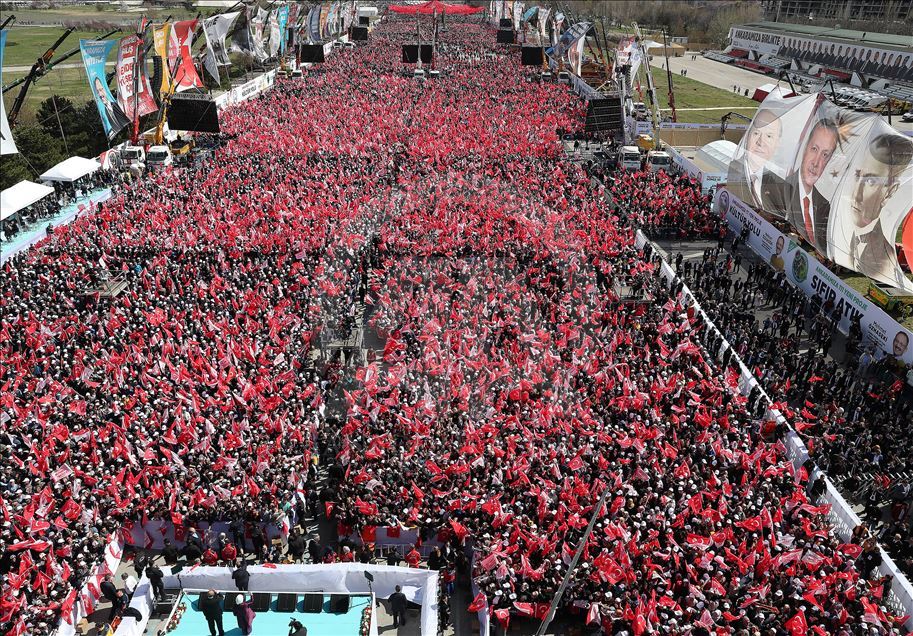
{"points": [[807, 209], [170, 553], [108, 588], [241, 577], [156, 575], [398, 605], [211, 606]]}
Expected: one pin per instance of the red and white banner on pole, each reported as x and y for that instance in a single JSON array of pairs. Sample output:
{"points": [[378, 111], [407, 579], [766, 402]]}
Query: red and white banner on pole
{"points": [[180, 57], [128, 65]]}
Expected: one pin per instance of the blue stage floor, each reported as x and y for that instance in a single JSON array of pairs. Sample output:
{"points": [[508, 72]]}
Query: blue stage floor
{"points": [[273, 623], [38, 231]]}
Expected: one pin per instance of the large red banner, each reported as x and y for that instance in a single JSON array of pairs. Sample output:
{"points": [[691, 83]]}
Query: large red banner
{"points": [[133, 88], [180, 58]]}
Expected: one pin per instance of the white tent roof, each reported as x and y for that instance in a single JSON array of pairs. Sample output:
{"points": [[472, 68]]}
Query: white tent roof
{"points": [[20, 196], [716, 155], [71, 169]]}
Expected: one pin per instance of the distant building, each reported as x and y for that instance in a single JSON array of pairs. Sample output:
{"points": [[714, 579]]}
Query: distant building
{"points": [[898, 11], [838, 53]]}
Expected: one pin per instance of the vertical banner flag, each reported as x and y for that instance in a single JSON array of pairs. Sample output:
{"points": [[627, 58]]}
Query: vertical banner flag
{"points": [[314, 24], [241, 40], [841, 179], [518, 14], [324, 13], [543, 22], [569, 48], [130, 63], [215, 29], [161, 41], [180, 56], [258, 33], [291, 33], [330, 25], [628, 53], [575, 55], [7, 144], [282, 19], [274, 34], [94, 55]]}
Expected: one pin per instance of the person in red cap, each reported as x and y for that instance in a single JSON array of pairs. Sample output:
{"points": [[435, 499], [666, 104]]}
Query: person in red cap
{"points": [[229, 553], [210, 557], [413, 558]]}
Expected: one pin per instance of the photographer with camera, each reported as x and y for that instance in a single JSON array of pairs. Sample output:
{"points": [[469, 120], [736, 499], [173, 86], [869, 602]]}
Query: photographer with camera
{"points": [[295, 628]]}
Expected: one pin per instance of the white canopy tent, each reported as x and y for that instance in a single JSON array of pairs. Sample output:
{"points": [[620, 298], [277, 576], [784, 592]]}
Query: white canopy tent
{"points": [[69, 170], [21, 196]]}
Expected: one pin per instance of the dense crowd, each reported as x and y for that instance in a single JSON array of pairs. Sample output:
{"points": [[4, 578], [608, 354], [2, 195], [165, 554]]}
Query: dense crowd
{"points": [[853, 413], [516, 384]]}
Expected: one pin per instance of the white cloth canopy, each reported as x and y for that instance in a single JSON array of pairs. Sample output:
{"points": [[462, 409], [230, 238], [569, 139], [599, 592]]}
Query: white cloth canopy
{"points": [[20, 196], [71, 169]]}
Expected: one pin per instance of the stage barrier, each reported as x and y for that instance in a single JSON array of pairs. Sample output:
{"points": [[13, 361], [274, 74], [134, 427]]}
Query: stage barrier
{"points": [[419, 586], [89, 594]]}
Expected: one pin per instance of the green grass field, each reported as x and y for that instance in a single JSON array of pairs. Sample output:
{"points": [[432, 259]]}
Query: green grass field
{"points": [[62, 15], [25, 44], [691, 94]]}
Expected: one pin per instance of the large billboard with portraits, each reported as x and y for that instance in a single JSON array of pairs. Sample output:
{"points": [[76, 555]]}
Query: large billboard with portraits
{"points": [[843, 55], [841, 179], [803, 270]]}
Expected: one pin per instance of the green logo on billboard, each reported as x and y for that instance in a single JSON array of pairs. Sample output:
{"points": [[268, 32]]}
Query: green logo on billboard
{"points": [[800, 266]]}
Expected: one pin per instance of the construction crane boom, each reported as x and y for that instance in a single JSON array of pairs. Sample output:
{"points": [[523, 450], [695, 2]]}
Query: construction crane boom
{"points": [[651, 87], [59, 60], [38, 69]]}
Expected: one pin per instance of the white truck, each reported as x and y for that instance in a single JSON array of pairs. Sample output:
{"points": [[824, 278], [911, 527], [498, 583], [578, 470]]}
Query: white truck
{"points": [[629, 158], [658, 160], [158, 157]]}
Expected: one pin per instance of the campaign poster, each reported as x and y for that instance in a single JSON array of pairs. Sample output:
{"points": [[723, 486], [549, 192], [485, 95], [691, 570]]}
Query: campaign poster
{"points": [[94, 55], [134, 93]]}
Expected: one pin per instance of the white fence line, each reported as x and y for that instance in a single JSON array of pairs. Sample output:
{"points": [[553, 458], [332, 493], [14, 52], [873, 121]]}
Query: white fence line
{"points": [[841, 515]]}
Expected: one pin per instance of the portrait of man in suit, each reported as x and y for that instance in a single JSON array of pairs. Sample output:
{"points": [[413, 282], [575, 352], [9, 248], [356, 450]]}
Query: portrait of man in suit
{"points": [[876, 180], [796, 198], [747, 171]]}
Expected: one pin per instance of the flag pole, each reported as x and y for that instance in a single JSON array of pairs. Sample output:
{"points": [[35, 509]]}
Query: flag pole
{"points": [[553, 607]]}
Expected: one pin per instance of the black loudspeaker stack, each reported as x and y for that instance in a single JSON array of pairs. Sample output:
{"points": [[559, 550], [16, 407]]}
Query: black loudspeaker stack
{"points": [[359, 34], [605, 115], [410, 53], [313, 603], [505, 36], [286, 602], [506, 23], [312, 53], [262, 601], [531, 56], [339, 603]]}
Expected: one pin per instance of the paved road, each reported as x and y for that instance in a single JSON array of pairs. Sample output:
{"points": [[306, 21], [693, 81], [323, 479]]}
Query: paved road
{"points": [[724, 76], [27, 68], [714, 73]]}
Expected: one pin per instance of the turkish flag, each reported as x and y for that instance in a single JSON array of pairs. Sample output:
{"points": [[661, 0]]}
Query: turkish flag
{"points": [[478, 603], [797, 626]]}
